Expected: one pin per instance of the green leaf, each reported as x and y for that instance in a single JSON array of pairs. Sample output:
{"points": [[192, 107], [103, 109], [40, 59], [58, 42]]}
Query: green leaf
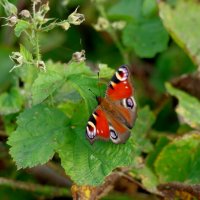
{"points": [[149, 8], [11, 102], [152, 156], [40, 130], [179, 24], [188, 107], [180, 160], [143, 124], [171, 63], [146, 37], [126, 10], [89, 164], [45, 84], [27, 56], [21, 26]]}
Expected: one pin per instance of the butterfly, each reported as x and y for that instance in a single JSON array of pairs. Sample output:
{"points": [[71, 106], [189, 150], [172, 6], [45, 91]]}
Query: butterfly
{"points": [[116, 112]]}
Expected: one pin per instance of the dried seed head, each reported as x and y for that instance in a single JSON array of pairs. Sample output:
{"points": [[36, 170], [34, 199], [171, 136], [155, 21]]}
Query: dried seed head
{"points": [[25, 13], [79, 56], [65, 25], [17, 58], [102, 24], [76, 18], [118, 25], [41, 65]]}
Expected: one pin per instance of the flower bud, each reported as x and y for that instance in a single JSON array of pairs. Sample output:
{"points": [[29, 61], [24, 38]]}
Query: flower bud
{"points": [[17, 58], [12, 20], [102, 24], [76, 18], [65, 25], [79, 56], [36, 1], [119, 25], [41, 65], [25, 13]]}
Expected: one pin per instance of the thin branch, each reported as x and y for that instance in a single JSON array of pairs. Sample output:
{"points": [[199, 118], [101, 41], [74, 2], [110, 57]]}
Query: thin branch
{"points": [[36, 188]]}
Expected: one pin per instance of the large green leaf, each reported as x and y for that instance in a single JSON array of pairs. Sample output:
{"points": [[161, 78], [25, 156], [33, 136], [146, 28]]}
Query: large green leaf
{"points": [[188, 107], [11, 101], [40, 130], [45, 84], [147, 37], [180, 160], [182, 20]]}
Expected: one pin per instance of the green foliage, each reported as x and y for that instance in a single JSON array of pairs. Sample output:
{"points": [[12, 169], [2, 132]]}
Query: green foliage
{"points": [[173, 17], [179, 160], [11, 101], [188, 107], [40, 131], [45, 103]]}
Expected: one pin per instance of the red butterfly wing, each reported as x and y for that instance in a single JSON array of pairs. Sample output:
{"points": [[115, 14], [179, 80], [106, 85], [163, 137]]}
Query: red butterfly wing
{"points": [[97, 126]]}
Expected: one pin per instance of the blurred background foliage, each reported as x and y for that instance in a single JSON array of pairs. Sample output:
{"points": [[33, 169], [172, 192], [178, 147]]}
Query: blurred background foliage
{"points": [[160, 42]]}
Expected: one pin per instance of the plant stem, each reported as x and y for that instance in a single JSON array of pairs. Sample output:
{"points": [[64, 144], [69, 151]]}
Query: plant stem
{"points": [[113, 34], [37, 188], [35, 36]]}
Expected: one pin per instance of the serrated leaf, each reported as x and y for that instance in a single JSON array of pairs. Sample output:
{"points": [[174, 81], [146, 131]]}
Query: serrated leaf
{"points": [[21, 26], [188, 107], [45, 84], [11, 101], [40, 130], [180, 160], [89, 164], [179, 24], [146, 37]]}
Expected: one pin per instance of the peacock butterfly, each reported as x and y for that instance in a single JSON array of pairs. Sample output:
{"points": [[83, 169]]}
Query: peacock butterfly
{"points": [[116, 112]]}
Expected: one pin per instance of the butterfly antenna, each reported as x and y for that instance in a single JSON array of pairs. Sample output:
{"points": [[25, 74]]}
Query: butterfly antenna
{"points": [[99, 83]]}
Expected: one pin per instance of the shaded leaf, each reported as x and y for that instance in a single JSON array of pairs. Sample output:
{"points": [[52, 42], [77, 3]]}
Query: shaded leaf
{"points": [[11, 101], [188, 107], [40, 130], [179, 24], [147, 37]]}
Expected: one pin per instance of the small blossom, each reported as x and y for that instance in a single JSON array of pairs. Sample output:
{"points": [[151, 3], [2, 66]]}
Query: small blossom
{"points": [[41, 65], [119, 25], [76, 18], [25, 13], [65, 25], [79, 56], [102, 24]]}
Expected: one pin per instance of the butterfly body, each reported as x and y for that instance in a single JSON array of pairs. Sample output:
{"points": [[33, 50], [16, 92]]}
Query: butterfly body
{"points": [[116, 112]]}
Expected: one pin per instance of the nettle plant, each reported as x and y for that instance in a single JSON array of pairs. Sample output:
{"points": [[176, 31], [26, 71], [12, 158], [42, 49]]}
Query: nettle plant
{"points": [[52, 104]]}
